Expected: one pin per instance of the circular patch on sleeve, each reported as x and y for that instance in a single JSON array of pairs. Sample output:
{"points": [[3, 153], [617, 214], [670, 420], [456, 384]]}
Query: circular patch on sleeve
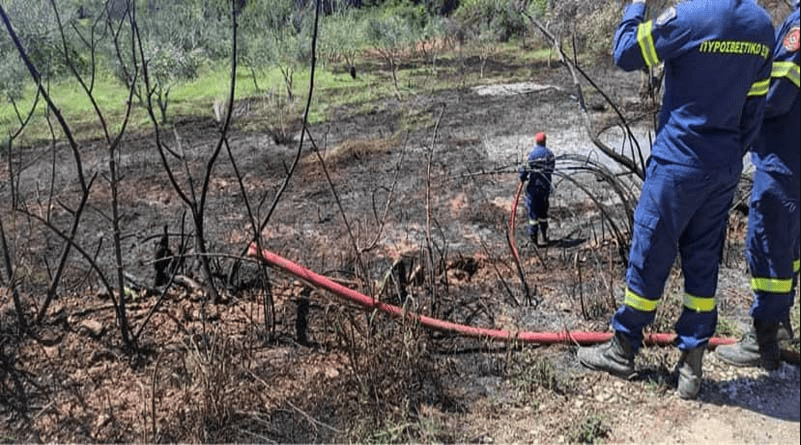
{"points": [[791, 39]]}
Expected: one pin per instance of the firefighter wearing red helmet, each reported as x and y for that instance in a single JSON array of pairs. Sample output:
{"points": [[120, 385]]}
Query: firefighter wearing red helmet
{"points": [[538, 170], [717, 56]]}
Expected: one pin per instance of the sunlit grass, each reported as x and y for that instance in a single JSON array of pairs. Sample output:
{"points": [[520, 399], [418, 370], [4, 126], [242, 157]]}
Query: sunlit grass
{"points": [[333, 88], [71, 99]]}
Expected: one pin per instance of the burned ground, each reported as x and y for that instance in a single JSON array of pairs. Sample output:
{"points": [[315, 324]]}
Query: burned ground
{"points": [[400, 178]]}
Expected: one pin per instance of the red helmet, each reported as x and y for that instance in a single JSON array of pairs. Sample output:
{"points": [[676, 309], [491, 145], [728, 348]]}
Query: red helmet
{"points": [[540, 138]]}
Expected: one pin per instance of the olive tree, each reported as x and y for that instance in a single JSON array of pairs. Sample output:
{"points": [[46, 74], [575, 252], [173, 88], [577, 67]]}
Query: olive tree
{"points": [[341, 36], [176, 40], [392, 31], [61, 31], [275, 34]]}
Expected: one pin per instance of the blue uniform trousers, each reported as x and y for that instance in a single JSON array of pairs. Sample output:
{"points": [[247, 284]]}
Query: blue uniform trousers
{"points": [[681, 209], [537, 204], [772, 244]]}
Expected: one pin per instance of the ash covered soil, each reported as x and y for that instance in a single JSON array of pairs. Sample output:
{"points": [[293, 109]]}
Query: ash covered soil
{"points": [[405, 180]]}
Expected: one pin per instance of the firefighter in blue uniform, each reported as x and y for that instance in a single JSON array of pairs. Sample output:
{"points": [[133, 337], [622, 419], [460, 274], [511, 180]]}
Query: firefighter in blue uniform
{"points": [[772, 241], [538, 170], [717, 56]]}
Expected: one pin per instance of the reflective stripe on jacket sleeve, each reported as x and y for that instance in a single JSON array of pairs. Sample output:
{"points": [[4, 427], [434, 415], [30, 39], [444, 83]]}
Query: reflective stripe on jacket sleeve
{"points": [[786, 70], [759, 88], [646, 41]]}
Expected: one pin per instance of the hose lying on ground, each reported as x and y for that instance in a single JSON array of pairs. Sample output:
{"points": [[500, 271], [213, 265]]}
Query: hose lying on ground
{"points": [[582, 338], [789, 356]]}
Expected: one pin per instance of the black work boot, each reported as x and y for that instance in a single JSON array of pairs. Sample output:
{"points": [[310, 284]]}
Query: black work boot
{"points": [[758, 347], [744, 353], [534, 238], [690, 372], [544, 230], [766, 336], [785, 332], [615, 357]]}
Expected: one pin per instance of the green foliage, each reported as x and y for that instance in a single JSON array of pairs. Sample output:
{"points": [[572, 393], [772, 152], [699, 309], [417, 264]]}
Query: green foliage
{"points": [[168, 63], [399, 23], [191, 25], [592, 429], [261, 17], [596, 33], [341, 36], [415, 15], [177, 39], [13, 76], [36, 26], [503, 19], [531, 372], [182, 39], [538, 8], [387, 30], [284, 42]]}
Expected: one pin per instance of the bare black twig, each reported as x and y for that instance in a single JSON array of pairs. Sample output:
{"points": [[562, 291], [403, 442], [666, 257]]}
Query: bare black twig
{"points": [[383, 219], [429, 241], [573, 67], [35, 75], [498, 273]]}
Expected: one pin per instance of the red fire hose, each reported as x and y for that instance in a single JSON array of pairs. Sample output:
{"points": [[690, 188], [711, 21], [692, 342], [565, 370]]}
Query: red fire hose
{"points": [[510, 238], [582, 338]]}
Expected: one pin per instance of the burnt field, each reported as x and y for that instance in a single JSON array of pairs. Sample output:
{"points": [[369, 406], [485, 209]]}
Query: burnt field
{"points": [[407, 200]]}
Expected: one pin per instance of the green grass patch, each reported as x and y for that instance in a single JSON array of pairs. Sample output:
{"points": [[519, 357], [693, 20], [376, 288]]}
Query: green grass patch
{"points": [[333, 88], [70, 98], [591, 429], [530, 374]]}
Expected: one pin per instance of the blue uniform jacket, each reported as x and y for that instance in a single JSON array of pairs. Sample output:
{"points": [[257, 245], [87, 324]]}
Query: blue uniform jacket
{"points": [[778, 149], [538, 170], [709, 116]]}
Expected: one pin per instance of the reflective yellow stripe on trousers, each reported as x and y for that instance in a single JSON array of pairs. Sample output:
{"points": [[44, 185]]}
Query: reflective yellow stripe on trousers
{"points": [[788, 70], [699, 304], [646, 42], [772, 285], [635, 301]]}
